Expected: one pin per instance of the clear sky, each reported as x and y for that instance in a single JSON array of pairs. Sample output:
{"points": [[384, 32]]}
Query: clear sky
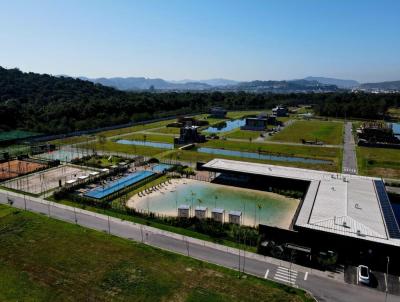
{"points": [[188, 39]]}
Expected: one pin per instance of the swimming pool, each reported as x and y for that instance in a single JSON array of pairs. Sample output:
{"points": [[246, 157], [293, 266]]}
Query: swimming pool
{"points": [[256, 206], [101, 192], [160, 168], [226, 126]]}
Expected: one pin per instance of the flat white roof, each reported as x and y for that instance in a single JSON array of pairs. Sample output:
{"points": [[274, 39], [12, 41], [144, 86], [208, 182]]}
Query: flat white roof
{"points": [[200, 208], [337, 203], [184, 207]]}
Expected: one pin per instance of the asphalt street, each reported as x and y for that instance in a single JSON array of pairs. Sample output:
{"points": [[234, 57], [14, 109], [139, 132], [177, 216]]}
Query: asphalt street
{"points": [[349, 151], [316, 282]]}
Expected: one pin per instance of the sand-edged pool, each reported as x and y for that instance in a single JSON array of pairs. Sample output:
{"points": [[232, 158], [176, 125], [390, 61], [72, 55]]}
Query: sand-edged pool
{"points": [[256, 206]]}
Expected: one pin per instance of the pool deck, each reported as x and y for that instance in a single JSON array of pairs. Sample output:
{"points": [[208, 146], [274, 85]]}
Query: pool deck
{"points": [[343, 204], [140, 201]]}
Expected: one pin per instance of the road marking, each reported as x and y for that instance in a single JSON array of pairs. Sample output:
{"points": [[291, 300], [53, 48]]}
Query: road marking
{"points": [[266, 274], [305, 276], [285, 275]]}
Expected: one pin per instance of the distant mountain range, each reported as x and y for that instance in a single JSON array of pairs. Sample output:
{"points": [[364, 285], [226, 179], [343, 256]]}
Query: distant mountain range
{"points": [[308, 84], [347, 84], [389, 86]]}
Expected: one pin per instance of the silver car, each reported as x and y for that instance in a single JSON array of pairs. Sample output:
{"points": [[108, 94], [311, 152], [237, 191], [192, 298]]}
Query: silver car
{"points": [[363, 274]]}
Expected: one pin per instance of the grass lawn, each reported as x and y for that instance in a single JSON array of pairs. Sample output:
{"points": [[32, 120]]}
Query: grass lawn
{"points": [[168, 130], [394, 113], [194, 156], [103, 161], [382, 162], [150, 138], [48, 260], [328, 132], [73, 140], [136, 128], [130, 149], [243, 134], [277, 149]]}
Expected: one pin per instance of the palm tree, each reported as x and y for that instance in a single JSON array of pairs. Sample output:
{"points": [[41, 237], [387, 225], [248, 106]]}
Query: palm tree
{"points": [[259, 206]]}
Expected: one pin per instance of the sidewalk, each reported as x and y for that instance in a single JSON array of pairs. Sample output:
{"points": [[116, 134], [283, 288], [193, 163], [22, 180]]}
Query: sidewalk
{"points": [[108, 221]]}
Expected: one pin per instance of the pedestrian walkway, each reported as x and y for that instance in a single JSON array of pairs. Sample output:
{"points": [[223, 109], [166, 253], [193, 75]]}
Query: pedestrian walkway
{"points": [[286, 275], [349, 165]]}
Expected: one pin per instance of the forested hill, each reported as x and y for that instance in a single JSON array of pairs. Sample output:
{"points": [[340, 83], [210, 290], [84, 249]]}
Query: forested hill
{"points": [[48, 104]]}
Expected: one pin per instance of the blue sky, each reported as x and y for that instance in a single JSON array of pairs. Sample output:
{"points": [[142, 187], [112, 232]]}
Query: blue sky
{"points": [[188, 39]]}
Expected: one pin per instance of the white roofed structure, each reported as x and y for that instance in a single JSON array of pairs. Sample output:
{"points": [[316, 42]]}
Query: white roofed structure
{"points": [[349, 205]]}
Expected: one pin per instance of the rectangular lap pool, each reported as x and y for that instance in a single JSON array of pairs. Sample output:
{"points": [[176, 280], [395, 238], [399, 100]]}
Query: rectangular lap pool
{"points": [[119, 184]]}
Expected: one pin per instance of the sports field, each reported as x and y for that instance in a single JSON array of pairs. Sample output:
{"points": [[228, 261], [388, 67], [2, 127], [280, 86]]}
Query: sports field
{"points": [[44, 259], [16, 167], [330, 133], [46, 180]]}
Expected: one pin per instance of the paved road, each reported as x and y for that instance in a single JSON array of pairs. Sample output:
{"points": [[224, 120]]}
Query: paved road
{"points": [[317, 282], [349, 151]]}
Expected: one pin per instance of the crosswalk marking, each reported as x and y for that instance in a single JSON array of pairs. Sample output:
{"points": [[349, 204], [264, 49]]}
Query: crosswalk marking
{"points": [[285, 275], [305, 276], [351, 170], [266, 274]]}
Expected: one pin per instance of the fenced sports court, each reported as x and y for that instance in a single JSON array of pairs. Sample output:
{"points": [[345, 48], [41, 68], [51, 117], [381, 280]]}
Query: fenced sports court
{"points": [[15, 168], [40, 182], [63, 155]]}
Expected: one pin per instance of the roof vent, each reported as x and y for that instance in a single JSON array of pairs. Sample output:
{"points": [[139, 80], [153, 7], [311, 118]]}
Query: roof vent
{"points": [[359, 233]]}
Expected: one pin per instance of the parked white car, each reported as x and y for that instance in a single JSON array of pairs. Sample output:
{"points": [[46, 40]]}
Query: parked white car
{"points": [[363, 274]]}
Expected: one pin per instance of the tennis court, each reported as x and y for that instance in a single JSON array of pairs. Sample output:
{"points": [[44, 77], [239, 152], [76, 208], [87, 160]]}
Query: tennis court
{"points": [[16, 168], [112, 187], [40, 182]]}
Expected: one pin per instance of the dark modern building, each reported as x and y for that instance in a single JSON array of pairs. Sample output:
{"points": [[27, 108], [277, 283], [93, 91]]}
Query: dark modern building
{"points": [[260, 122], [280, 111], [188, 135], [218, 112]]}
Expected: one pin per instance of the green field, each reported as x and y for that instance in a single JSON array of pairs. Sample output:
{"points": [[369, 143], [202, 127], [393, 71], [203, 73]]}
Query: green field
{"points": [[130, 149], [194, 156], [14, 150], [167, 130], [328, 132], [380, 162], [150, 138], [73, 140], [243, 134], [394, 113], [48, 260], [136, 128]]}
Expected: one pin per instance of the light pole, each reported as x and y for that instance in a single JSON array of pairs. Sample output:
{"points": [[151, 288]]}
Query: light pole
{"points": [[387, 276]]}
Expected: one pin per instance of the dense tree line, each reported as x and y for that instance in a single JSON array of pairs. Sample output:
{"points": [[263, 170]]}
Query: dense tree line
{"points": [[49, 104]]}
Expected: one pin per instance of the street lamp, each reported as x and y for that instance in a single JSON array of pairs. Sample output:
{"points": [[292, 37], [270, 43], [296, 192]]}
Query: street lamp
{"points": [[387, 276]]}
